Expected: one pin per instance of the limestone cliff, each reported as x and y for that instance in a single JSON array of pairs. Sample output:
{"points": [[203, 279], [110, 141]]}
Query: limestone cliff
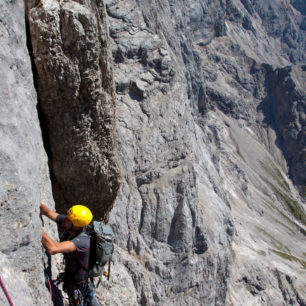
{"points": [[182, 123]]}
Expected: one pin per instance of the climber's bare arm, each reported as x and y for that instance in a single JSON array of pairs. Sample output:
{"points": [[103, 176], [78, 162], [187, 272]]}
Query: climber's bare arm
{"points": [[54, 247], [46, 211]]}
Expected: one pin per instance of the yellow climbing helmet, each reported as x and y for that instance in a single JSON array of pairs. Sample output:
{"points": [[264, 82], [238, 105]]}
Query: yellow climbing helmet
{"points": [[79, 215]]}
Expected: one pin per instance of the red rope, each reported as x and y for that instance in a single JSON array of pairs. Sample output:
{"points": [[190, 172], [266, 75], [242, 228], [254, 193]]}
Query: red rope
{"points": [[50, 289], [5, 292]]}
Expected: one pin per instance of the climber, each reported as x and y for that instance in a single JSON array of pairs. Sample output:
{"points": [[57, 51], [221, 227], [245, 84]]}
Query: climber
{"points": [[74, 244]]}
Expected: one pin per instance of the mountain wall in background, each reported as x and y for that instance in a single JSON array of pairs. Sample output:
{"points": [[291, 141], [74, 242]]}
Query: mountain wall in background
{"points": [[180, 122]]}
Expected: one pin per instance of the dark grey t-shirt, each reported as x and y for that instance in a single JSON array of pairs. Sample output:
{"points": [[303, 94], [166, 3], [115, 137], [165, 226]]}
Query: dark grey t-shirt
{"points": [[77, 261]]}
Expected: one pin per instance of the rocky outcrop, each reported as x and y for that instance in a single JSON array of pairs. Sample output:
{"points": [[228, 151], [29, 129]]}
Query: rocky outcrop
{"points": [[76, 98]]}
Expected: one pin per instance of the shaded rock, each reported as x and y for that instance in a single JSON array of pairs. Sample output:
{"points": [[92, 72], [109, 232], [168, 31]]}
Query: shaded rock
{"points": [[284, 108]]}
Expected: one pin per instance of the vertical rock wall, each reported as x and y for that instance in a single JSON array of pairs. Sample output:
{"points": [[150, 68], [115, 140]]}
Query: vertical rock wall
{"points": [[24, 177]]}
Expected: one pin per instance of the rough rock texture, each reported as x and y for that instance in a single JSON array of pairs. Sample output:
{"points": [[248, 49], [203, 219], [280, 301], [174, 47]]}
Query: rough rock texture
{"points": [[185, 162], [76, 98], [24, 175], [208, 116], [167, 214]]}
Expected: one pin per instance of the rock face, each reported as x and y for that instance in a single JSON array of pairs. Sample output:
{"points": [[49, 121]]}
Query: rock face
{"points": [[23, 166], [200, 104], [167, 215], [76, 97]]}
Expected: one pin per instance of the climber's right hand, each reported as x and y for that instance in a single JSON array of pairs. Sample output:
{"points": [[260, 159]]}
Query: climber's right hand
{"points": [[46, 211], [43, 209]]}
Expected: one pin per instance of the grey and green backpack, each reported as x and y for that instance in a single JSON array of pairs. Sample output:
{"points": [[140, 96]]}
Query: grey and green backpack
{"points": [[101, 248]]}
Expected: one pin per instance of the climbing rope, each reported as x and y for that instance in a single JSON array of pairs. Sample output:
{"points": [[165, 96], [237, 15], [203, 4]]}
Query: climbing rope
{"points": [[5, 292], [45, 268], [50, 288]]}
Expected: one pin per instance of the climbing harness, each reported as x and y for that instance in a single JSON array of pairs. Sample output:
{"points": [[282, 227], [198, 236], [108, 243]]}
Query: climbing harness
{"points": [[77, 296], [5, 292]]}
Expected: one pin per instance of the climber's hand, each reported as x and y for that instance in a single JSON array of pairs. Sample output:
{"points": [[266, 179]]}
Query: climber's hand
{"points": [[46, 211], [43, 209]]}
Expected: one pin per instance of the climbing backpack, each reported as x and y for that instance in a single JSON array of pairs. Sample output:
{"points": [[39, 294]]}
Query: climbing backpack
{"points": [[101, 248]]}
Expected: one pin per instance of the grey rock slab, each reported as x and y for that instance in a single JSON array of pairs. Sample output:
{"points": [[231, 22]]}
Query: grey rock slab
{"points": [[15, 284], [20, 151]]}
